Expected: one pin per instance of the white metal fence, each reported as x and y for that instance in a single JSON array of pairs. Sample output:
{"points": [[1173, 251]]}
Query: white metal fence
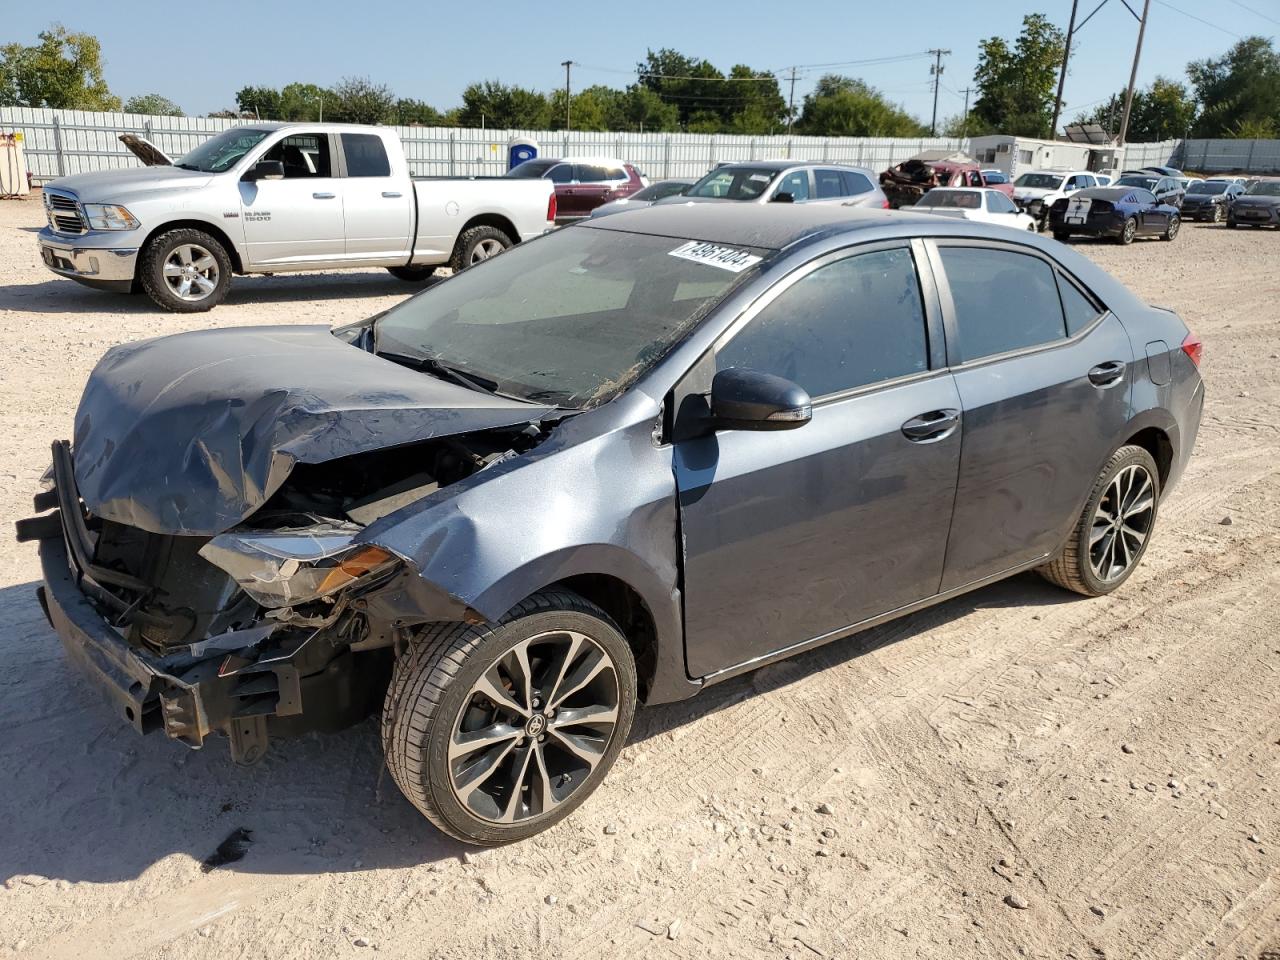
{"points": [[62, 142], [59, 143]]}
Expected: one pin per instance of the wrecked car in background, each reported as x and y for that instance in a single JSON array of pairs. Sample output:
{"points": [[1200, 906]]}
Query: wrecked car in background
{"points": [[910, 180], [618, 463]]}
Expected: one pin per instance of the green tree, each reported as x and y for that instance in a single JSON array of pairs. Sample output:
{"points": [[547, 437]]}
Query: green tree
{"points": [[154, 104], [1163, 111], [360, 100], [1016, 84], [590, 109], [695, 87], [493, 104], [420, 112], [304, 101], [261, 102], [847, 107], [62, 71], [1239, 90]]}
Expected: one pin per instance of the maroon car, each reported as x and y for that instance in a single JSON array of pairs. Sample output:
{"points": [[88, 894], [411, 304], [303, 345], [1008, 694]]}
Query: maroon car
{"points": [[583, 183]]}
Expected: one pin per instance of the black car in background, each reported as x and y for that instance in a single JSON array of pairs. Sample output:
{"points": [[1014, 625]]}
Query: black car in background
{"points": [[1210, 199], [1166, 189], [1259, 206], [1122, 213]]}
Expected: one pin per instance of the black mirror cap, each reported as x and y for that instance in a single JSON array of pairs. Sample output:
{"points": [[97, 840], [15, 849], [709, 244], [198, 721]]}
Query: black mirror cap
{"points": [[783, 197], [265, 170], [743, 399]]}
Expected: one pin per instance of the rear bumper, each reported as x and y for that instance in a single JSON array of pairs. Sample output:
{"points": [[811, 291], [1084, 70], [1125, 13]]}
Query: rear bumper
{"points": [[88, 260], [1101, 227]]}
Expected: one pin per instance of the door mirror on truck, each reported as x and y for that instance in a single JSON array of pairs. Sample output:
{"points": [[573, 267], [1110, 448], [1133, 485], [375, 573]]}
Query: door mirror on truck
{"points": [[265, 170]]}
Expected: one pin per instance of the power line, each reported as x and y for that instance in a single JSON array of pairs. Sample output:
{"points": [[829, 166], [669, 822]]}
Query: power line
{"points": [[1256, 13], [1207, 23]]}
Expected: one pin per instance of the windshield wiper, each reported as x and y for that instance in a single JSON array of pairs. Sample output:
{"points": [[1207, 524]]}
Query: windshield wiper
{"points": [[186, 166], [442, 370]]}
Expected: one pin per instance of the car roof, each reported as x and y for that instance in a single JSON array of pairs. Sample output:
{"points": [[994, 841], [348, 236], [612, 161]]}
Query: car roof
{"points": [[1105, 193], [771, 226], [788, 164]]}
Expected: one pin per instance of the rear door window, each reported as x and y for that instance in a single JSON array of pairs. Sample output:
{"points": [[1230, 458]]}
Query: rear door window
{"points": [[829, 184], [590, 173], [561, 173], [847, 324], [366, 156], [1003, 300]]}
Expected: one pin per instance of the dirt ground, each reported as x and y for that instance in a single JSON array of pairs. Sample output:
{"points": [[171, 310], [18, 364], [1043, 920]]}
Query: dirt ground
{"points": [[1110, 765]]}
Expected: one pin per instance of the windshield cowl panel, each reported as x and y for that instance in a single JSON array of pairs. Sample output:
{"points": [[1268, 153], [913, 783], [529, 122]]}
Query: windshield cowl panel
{"points": [[569, 320]]}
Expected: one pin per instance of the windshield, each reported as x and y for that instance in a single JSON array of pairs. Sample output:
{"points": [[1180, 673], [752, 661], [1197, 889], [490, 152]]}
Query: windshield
{"points": [[1265, 188], [1147, 183], [1039, 181], [966, 199], [1209, 187], [223, 151], [531, 169], [734, 183], [571, 319], [665, 188]]}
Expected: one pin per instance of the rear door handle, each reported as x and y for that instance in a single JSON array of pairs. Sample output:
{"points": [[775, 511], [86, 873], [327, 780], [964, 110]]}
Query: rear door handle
{"points": [[934, 425], [322, 196], [1106, 374], [392, 194]]}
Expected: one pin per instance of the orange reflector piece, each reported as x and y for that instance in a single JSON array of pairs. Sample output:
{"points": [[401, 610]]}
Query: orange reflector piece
{"points": [[354, 567]]}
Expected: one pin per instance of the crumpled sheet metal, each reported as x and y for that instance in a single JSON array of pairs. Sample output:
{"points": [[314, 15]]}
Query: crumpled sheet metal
{"points": [[190, 434]]}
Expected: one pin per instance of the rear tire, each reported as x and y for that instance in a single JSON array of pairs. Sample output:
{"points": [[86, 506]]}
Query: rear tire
{"points": [[1128, 232], [412, 274], [1062, 236], [185, 271], [1101, 552], [1171, 230], [457, 683], [477, 244]]}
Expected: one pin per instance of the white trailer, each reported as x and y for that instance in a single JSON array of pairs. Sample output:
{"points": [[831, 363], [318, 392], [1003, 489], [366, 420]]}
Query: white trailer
{"points": [[1018, 155]]}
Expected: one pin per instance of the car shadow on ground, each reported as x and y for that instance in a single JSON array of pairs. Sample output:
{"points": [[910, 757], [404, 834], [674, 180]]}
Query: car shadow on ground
{"points": [[66, 296], [87, 799]]}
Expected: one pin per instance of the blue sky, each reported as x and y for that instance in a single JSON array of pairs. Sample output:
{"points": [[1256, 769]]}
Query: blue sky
{"points": [[431, 51]]}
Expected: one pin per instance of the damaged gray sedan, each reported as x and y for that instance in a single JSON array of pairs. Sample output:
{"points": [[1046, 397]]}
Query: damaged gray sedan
{"points": [[614, 465]]}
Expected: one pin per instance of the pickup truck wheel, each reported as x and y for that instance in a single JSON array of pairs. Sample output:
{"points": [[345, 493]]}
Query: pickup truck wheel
{"points": [[476, 244], [412, 274], [496, 732], [1114, 527], [185, 271]]}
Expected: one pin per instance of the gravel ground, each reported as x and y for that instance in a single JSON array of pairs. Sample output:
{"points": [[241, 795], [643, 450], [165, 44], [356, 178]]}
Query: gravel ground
{"points": [[1019, 772]]}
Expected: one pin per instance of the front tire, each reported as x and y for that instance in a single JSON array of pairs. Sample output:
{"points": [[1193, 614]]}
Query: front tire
{"points": [[476, 245], [1231, 224], [497, 732], [185, 271], [1114, 528]]}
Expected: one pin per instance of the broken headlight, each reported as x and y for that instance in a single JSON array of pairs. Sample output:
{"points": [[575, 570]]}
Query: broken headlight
{"points": [[281, 568]]}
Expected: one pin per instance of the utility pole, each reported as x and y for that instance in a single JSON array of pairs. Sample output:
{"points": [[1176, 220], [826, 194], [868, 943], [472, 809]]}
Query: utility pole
{"points": [[1133, 74], [1062, 75], [964, 123], [936, 70], [791, 102], [567, 64]]}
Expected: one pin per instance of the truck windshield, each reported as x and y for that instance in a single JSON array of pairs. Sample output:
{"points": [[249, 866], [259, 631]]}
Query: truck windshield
{"points": [[571, 319], [1039, 181], [221, 152]]}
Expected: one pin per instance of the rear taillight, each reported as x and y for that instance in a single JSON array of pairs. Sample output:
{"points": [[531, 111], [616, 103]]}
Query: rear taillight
{"points": [[1193, 347], [551, 208], [885, 204]]}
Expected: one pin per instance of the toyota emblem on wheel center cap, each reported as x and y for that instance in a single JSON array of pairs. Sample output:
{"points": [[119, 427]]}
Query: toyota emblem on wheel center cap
{"points": [[536, 725]]}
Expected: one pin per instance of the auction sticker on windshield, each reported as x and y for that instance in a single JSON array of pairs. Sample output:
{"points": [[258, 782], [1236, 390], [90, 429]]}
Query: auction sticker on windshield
{"points": [[714, 255]]}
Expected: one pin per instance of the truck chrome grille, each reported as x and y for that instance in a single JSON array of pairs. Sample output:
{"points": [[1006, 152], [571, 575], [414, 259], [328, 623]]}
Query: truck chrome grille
{"points": [[63, 210]]}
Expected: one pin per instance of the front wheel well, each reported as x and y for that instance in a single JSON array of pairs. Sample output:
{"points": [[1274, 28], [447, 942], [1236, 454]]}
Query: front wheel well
{"points": [[1157, 443], [628, 610], [204, 225], [495, 220]]}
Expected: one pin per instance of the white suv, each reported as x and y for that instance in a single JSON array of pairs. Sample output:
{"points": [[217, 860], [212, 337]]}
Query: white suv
{"points": [[1035, 191]]}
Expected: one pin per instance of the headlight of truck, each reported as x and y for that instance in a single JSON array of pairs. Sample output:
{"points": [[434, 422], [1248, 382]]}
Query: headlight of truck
{"points": [[281, 568], [109, 216]]}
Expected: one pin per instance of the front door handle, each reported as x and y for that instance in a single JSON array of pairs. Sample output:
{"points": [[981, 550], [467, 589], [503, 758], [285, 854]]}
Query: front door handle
{"points": [[934, 425], [392, 194], [1106, 374], [322, 196]]}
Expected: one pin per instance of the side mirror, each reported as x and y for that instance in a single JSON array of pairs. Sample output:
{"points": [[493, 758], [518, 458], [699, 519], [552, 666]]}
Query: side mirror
{"points": [[265, 170], [783, 197], [743, 399]]}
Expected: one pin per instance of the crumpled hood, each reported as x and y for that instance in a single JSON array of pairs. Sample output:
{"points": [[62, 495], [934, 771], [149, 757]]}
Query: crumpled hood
{"points": [[1031, 193], [110, 186], [189, 434]]}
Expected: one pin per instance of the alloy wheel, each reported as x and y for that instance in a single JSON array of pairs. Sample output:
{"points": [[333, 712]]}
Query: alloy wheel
{"points": [[191, 272], [534, 727], [1130, 230], [1172, 231], [1121, 523], [485, 249]]}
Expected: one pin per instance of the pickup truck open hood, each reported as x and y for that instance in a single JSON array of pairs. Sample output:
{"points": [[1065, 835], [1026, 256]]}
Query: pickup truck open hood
{"points": [[190, 434], [146, 151]]}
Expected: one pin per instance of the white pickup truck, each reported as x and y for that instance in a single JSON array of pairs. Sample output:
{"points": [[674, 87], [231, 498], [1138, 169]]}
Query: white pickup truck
{"points": [[270, 197]]}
